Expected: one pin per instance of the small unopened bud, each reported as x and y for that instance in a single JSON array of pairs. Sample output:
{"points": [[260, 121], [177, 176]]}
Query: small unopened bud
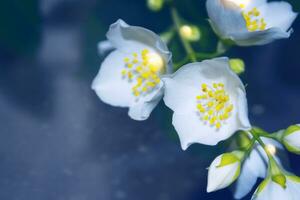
{"points": [[190, 32], [224, 170], [155, 5], [237, 65], [291, 139]]}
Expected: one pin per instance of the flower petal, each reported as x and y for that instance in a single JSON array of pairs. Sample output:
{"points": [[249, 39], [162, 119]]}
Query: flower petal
{"points": [[130, 39], [244, 184], [104, 47], [109, 84], [274, 191], [260, 37], [283, 18], [141, 110], [225, 18]]}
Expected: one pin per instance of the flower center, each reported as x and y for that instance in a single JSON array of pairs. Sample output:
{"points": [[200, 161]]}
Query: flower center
{"points": [[213, 104], [144, 71], [254, 21]]}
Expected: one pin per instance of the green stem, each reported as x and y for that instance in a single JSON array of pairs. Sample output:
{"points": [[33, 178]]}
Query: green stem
{"points": [[208, 55], [182, 62], [249, 149], [186, 45]]}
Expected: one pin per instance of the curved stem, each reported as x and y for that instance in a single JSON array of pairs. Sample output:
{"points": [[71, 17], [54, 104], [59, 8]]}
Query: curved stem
{"points": [[182, 62], [187, 46]]}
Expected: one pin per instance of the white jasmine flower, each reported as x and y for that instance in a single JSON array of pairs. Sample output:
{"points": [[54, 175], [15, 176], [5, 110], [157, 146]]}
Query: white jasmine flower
{"points": [[291, 139], [130, 76], [224, 170], [208, 100], [250, 22], [271, 190]]}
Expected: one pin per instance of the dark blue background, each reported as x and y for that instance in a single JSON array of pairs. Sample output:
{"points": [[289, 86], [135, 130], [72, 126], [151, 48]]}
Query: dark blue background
{"points": [[59, 142]]}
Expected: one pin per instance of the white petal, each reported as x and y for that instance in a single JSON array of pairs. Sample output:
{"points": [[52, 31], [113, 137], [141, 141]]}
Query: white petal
{"points": [[245, 183], [104, 47], [141, 110], [221, 177], [225, 18], [109, 84], [294, 189], [130, 39], [253, 167], [293, 139], [278, 14], [255, 3], [260, 37], [181, 90]]}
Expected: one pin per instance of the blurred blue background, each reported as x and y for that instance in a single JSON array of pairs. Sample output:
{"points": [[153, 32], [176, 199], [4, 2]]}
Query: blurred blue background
{"points": [[59, 142]]}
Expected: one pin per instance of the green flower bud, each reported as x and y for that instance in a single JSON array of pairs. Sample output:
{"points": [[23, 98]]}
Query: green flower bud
{"points": [[155, 5], [237, 65], [190, 32], [276, 173], [291, 139]]}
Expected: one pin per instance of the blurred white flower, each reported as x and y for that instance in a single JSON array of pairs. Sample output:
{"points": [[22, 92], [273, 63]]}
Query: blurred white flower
{"points": [[270, 190], [255, 166], [291, 138], [224, 170], [208, 100], [250, 22], [130, 76]]}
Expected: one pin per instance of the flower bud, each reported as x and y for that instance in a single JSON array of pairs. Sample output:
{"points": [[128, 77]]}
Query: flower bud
{"points": [[291, 139], [190, 32], [155, 5], [237, 65], [224, 170]]}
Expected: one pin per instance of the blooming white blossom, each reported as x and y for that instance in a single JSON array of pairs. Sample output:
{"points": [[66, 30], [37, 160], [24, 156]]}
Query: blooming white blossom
{"points": [[208, 100], [270, 190], [224, 170], [250, 22], [291, 139], [130, 76], [255, 166]]}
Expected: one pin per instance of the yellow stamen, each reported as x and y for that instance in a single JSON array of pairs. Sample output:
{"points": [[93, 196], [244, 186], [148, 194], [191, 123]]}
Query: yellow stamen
{"points": [[213, 104], [143, 69]]}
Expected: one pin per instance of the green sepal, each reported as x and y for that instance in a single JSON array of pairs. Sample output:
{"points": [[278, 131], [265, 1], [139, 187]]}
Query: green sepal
{"points": [[262, 186], [259, 131], [237, 173], [291, 129], [291, 148], [294, 178], [243, 141], [230, 158], [280, 179]]}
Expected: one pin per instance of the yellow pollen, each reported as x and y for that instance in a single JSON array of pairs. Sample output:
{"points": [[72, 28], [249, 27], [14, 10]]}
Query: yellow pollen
{"points": [[213, 104], [143, 69], [254, 21]]}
